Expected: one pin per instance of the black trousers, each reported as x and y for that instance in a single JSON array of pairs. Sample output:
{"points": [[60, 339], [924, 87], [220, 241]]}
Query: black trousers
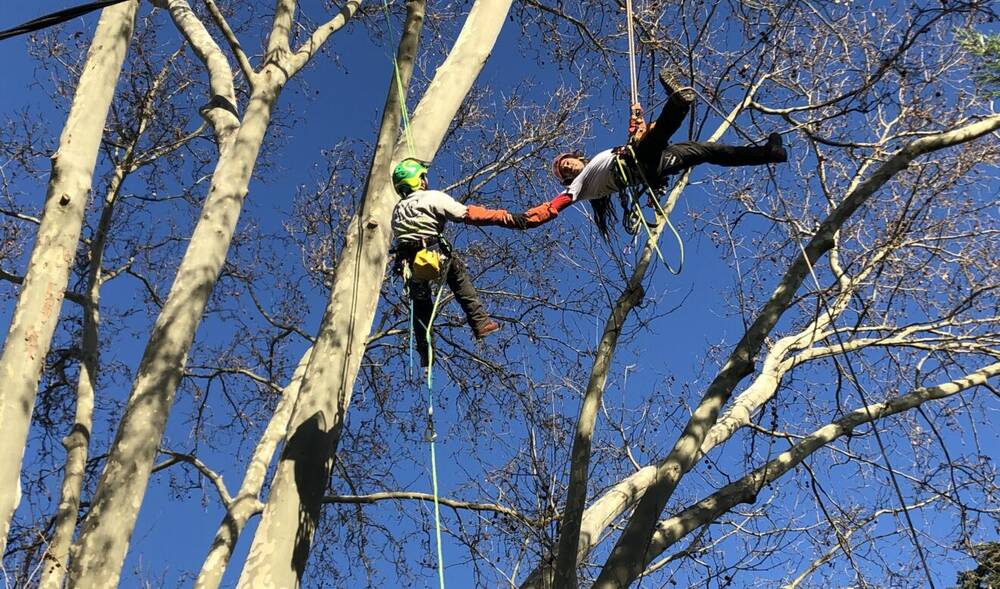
{"points": [[422, 292], [659, 159]]}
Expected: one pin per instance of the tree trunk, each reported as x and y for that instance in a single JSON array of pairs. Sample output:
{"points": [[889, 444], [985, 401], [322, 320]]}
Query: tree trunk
{"points": [[78, 440], [744, 490], [37, 311], [107, 529], [246, 503], [626, 561], [576, 493], [281, 545]]}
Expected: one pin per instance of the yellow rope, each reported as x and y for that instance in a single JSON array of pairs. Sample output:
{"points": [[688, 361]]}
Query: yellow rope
{"points": [[400, 91], [659, 209]]}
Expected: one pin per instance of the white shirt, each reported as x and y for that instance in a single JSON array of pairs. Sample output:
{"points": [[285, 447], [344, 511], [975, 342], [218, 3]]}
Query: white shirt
{"points": [[423, 214], [598, 179]]}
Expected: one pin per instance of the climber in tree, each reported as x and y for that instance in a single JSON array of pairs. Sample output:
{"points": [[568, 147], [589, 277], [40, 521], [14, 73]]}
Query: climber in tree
{"points": [[417, 222], [649, 155]]}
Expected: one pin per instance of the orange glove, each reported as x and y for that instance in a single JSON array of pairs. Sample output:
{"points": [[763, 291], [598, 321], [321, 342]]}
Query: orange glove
{"points": [[546, 211], [479, 216]]}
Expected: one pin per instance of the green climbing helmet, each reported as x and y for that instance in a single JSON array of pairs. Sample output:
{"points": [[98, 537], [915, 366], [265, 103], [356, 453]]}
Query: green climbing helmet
{"points": [[407, 176]]}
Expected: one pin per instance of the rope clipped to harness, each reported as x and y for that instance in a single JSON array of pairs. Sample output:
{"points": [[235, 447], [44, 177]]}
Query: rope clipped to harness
{"points": [[430, 434], [632, 215]]}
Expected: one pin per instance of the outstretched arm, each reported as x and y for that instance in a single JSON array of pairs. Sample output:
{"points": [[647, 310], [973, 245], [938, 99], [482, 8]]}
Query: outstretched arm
{"points": [[529, 219], [480, 216], [546, 211]]}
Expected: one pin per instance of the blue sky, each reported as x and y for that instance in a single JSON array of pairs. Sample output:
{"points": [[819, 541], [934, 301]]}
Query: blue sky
{"points": [[332, 102]]}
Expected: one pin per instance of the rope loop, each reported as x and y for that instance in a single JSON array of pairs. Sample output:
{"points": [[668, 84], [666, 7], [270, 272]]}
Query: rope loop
{"points": [[632, 216]]}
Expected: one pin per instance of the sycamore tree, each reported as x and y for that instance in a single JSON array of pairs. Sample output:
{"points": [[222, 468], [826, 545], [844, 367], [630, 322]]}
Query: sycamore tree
{"points": [[851, 312], [821, 256], [810, 403], [111, 510], [44, 282], [238, 140]]}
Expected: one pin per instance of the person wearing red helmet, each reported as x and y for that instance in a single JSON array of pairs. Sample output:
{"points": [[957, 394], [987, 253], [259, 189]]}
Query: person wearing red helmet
{"points": [[649, 156], [418, 220]]}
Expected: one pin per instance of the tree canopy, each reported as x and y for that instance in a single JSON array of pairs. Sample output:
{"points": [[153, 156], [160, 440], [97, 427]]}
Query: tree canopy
{"points": [[231, 398]]}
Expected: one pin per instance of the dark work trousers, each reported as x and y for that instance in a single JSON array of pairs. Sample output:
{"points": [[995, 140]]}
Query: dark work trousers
{"points": [[660, 159], [422, 292]]}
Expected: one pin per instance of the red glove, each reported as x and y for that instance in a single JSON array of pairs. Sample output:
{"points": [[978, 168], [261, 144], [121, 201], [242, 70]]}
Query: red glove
{"points": [[547, 211]]}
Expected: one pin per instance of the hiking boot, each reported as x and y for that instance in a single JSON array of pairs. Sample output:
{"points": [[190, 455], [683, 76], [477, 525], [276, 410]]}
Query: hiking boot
{"points": [[775, 150], [675, 90], [485, 329]]}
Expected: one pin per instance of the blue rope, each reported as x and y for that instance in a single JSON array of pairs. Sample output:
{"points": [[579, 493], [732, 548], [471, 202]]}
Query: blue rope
{"points": [[430, 434]]}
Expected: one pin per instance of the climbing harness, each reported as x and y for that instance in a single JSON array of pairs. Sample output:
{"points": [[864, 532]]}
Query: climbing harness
{"points": [[632, 215], [430, 435]]}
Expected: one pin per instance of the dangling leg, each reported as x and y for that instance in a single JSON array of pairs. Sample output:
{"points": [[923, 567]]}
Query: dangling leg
{"points": [[680, 156], [461, 285], [422, 300]]}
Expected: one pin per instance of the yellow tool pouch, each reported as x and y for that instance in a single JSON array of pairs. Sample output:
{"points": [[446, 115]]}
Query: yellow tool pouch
{"points": [[427, 265]]}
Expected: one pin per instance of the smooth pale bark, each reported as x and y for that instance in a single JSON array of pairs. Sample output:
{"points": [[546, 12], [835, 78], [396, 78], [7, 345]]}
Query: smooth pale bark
{"points": [[247, 503], [281, 545], [107, 529], [709, 509], [37, 311], [599, 517], [78, 440], [576, 493], [626, 561], [221, 111], [777, 361]]}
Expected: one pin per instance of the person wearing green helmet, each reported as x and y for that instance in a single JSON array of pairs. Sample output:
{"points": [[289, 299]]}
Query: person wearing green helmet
{"points": [[417, 223]]}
